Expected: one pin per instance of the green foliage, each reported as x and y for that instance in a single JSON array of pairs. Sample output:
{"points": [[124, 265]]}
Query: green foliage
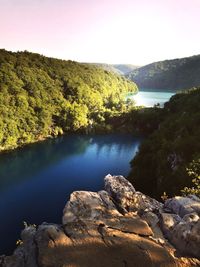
{"points": [[169, 74], [42, 97], [163, 158], [121, 69], [193, 172], [143, 120]]}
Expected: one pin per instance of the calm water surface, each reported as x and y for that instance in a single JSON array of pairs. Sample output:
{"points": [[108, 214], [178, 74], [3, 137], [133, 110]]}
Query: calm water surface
{"points": [[151, 98], [36, 181]]}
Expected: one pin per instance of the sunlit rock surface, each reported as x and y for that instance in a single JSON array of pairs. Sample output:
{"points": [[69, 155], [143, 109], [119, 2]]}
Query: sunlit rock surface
{"points": [[115, 227]]}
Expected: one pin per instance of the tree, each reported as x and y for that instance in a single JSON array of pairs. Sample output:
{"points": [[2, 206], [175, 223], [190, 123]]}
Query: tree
{"points": [[194, 172]]}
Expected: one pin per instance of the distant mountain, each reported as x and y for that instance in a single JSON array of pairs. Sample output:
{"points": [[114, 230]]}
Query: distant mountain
{"points": [[122, 69], [107, 67], [125, 68], [169, 74]]}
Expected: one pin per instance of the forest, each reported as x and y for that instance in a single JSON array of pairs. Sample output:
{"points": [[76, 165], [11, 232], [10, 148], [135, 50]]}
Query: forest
{"points": [[169, 159], [122, 69], [42, 97], [169, 75]]}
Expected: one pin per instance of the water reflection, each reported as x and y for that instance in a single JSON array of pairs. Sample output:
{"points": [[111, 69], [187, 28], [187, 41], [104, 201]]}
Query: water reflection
{"points": [[22, 163], [36, 181], [151, 98]]}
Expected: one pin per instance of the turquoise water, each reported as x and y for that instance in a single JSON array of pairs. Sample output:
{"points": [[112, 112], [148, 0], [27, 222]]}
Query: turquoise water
{"points": [[151, 98], [36, 181]]}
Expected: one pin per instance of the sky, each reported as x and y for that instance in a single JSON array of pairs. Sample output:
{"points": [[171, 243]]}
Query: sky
{"points": [[107, 31]]}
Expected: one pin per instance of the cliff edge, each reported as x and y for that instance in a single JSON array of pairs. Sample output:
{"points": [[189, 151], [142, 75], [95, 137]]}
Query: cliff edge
{"points": [[117, 226]]}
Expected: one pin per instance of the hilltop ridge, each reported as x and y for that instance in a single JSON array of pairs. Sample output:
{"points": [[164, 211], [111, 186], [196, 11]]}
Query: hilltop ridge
{"points": [[176, 74], [122, 69]]}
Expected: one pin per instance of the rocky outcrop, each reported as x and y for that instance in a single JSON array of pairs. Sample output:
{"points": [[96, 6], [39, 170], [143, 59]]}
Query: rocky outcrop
{"points": [[181, 224], [183, 205], [126, 198], [117, 226]]}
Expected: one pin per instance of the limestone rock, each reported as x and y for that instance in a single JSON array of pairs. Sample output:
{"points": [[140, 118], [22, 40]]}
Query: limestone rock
{"points": [[113, 248], [182, 205], [121, 190], [154, 222], [151, 218], [183, 233], [51, 243], [186, 236], [126, 198], [25, 254], [142, 204], [131, 224], [182, 225], [85, 211], [168, 222], [116, 227]]}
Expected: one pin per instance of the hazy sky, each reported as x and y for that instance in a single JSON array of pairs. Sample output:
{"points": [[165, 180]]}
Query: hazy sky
{"points": [[110, 31]]}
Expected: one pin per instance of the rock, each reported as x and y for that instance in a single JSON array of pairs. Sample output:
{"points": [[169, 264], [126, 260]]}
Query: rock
{"points": [[52, 242], [30, 251], [186, 237], [25, 254], [113, 248], [182, 205], [192, 217], [89, 205], [121, 191], [130, 224], [193, 197], [116, 227], [145, 204], [151, 218], [154, 222], [168, 223], [85, 211], [126, 198], [12, 261], [183, 228]]}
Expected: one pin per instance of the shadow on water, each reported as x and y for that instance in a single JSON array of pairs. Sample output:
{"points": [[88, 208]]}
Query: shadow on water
{"points": [[36, 181], [24, 162]]}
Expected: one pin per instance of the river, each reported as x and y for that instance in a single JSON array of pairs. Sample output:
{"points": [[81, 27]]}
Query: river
{"points": [[36, 180], [151, 97]]}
